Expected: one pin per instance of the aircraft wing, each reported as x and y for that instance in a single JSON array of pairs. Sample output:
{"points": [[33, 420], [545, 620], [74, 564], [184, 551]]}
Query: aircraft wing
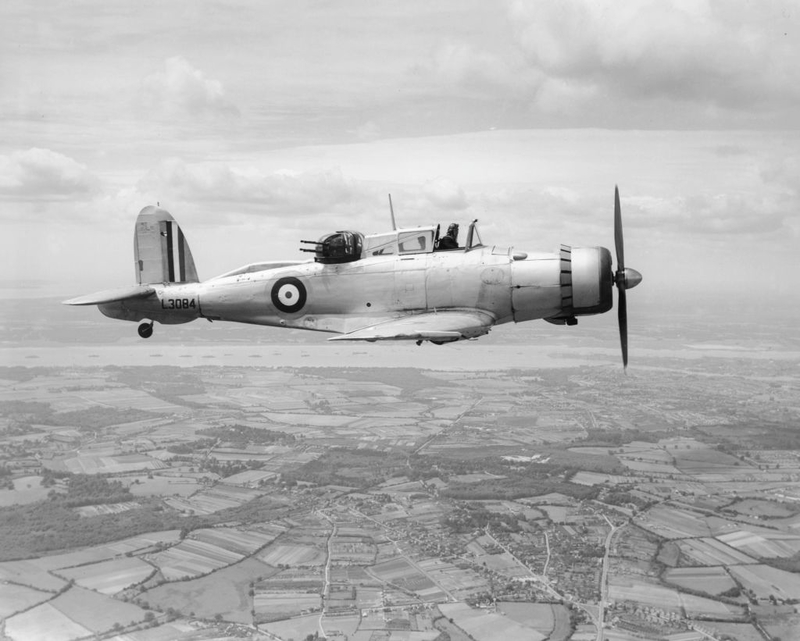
{"points": [[112, 295], [429, 326]]}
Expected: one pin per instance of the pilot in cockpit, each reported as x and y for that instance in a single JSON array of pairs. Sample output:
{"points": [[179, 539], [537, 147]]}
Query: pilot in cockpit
{"points": [[450, 239]]}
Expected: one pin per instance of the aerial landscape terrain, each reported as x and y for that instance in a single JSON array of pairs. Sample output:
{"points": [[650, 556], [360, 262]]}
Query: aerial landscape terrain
{"points": [[219, 480], [228, 482]]}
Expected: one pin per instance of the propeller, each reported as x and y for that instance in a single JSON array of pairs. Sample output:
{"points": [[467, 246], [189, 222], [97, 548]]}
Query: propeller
{"points": [[624, 278]]}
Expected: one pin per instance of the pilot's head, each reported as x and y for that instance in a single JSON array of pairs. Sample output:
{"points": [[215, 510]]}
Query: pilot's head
{"points": [[452, 230]]}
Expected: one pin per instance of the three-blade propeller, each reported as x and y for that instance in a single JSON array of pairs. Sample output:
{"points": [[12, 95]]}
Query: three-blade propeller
{"points": [[624, 278]]}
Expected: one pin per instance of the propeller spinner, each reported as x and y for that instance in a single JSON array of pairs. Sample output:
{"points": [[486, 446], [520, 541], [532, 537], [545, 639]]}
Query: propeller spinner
{"points": [[624, 278]]}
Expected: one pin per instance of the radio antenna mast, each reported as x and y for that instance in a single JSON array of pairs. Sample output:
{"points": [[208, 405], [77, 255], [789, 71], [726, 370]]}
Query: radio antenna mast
{"points": [[391, 211]]}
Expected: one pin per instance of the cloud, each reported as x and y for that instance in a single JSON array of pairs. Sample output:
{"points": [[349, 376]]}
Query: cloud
{"points": [[276, 193], [43, 174], [650, 62], [783, 173], [445, 194], [460, 63], [719, 53], [715, 217], [181, 90], [368, 131]]}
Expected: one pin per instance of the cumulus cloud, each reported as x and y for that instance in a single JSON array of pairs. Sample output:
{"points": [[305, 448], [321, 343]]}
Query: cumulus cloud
{"points": [[605, 62], [179, 89], [722, 53], [281, 192], [783, 173], [368, 131], [445, 194], [461, 63], [712, 216], [44, 174]]}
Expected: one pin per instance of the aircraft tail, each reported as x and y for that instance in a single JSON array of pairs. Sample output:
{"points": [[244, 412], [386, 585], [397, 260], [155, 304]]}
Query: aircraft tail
{"points": [[160, 249]]}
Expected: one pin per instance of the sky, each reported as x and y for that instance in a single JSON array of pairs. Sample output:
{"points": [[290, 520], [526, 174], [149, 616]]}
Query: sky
{"points": [[258, 124]]}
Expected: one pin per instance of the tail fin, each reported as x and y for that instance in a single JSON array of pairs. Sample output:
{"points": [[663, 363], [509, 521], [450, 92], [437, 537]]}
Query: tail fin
{"points": [[160, 249]]}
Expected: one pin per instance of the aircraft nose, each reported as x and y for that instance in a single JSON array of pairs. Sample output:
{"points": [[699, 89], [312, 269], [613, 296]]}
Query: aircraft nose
{"points": [[631, 278]]}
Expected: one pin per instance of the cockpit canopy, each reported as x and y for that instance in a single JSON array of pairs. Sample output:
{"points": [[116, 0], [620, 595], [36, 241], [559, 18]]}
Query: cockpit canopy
{"points": [[348, 246], [338, 247]]}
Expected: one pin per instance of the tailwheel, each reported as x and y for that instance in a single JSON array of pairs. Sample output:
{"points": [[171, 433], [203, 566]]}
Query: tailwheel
{"points": [[146, 330]]}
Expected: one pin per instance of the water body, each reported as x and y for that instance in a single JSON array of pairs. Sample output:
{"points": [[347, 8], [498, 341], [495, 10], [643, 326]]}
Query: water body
{"points": [[468, 356]]}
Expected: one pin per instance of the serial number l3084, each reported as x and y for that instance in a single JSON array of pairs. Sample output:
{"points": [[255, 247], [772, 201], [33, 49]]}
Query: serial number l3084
{"points": [[178, 303]]}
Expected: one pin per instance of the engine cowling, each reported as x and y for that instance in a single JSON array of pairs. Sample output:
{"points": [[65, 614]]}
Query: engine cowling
{"points": [[586, 282]]}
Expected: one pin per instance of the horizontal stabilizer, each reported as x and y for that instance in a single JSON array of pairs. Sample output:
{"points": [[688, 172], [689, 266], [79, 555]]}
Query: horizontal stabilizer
{"points": [[429, 326], [112, 295]]}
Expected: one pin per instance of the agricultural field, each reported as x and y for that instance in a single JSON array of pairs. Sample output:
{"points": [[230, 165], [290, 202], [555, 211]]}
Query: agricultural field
{"points": [[368, 597], [708, 551], [488, 626], [295, 628], [648, 467], [29, 573], [780, 621], [395, 570], [485, 424], [673, 523], [75, 614], [711, 580], [143, 542], [707, 460], [95, 611], [15, 598], [599, 478], [237, 540], [764, 581], [292, 580], [164, 484], [90, 555], [274, 606], [225, 592], [251, 478], [109, 464], [109, 577], [764, 545], [72, 559], [401, 574], [550, 620], [191, 558], [739, 631], [645, 593], [651, 595], [44, 623], [212, 500], [762, 509], [108, 508], [293, 554], [27, 489]]}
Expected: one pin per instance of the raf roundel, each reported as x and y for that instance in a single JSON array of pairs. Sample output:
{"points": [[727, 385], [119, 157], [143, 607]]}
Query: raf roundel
{"points": [[289, 294]]}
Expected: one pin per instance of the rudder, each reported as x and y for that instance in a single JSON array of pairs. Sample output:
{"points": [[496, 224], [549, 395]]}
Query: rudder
{"points": [[160, 249]]}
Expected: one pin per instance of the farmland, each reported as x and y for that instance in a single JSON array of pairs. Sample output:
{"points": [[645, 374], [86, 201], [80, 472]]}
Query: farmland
{"points": [[215, 497], [487, 625], [192, 557], [109, 577], [764, 581], [711, 580], [225, 592], [75, 613]]}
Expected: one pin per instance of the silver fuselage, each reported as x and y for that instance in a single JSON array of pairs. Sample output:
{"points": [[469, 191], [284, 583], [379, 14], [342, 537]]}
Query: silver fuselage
{"points": [[343, 297]]}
